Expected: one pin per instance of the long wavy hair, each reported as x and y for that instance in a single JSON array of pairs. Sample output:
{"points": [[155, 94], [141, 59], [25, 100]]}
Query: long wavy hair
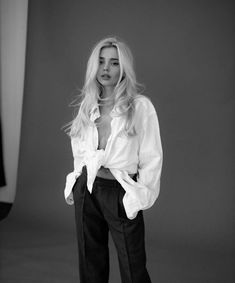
{"points": [[125, 91]]}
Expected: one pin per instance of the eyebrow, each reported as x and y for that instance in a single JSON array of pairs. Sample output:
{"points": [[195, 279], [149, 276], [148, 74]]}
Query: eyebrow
{"points": [[110, 58]]}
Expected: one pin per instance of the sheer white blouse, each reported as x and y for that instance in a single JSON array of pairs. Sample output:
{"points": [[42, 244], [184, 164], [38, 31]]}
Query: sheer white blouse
{"points": [[123, 155]]}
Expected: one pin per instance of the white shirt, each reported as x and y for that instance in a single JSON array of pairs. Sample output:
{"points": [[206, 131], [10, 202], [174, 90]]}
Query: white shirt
{"points": [[123, 155]]}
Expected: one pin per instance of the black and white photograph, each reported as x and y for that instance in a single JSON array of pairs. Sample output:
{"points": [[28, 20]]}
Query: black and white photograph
{"points": [[117, 159]]}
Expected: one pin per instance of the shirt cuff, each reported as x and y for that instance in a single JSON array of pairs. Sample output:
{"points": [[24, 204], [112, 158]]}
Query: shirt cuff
{"points": [[70, 181], [69, 199], [131, 206]]}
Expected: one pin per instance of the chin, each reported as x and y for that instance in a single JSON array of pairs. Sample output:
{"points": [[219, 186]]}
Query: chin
{"points": [[105, 83]]}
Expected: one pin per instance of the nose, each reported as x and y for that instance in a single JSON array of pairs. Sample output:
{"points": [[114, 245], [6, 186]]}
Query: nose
{"points": [[106, 66]]}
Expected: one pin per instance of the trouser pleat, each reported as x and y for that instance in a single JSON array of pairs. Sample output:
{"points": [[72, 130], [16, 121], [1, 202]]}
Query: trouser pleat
{"points": [[129, 239], [92, 237]]}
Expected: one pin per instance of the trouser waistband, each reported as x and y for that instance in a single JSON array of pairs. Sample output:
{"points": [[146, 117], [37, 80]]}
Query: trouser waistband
{"points": [[108, 182]]}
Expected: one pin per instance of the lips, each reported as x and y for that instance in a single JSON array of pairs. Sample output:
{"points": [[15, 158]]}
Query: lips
{"points": [[105, 76]]}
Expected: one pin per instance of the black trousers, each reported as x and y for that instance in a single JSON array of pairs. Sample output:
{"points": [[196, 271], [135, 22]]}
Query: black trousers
{"points": [[98, 213]]}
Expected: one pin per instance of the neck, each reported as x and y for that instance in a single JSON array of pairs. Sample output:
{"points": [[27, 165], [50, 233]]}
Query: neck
{"points": [[107, 96], [107, 92]]}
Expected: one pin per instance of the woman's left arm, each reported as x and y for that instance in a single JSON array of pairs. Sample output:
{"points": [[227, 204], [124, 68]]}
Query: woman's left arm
{"points": [[147, 186]]}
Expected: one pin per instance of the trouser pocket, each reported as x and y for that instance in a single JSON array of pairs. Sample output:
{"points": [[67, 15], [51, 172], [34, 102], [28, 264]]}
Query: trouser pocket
{"points": [[121, 208]]}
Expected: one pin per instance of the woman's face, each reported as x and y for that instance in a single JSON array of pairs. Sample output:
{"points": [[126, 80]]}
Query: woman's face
{"points": [[109, 69]]}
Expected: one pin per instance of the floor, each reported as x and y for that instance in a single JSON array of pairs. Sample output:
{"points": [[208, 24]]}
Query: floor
{"points": [[30, 255]]}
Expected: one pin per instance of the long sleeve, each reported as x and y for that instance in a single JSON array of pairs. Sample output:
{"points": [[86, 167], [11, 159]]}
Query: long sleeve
{"points": [[147, 187]]}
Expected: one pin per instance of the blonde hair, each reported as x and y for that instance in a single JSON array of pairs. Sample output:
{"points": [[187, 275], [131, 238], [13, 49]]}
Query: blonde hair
{"points": [[125, 91]]}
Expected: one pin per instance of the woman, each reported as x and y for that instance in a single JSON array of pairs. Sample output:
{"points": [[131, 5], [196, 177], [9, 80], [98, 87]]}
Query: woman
{"points": [[117, 165]]}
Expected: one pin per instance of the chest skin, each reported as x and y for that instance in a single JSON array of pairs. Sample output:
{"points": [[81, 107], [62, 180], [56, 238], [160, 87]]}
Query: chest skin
{"points": [[103, 124]]}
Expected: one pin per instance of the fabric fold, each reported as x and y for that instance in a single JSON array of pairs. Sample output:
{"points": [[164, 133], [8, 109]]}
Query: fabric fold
{"points": [[123, 155]]}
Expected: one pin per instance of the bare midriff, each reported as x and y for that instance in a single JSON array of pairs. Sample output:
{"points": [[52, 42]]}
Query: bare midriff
{"points": [[106, 174]]}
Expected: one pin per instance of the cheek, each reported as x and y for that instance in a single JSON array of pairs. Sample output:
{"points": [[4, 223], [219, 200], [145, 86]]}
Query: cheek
{"points": [[117, 74], [98, 71], [98, 76]]}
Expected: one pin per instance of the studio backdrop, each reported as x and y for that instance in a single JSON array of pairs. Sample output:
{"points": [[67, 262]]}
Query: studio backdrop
{"points": [[184, 55]]}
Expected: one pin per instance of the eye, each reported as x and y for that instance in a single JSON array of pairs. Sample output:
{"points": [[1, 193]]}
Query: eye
{"points": [[116, 63], [101, 61]]}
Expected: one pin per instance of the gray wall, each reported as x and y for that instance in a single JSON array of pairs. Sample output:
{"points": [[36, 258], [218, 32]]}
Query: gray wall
{"points": [[184, 52]]}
